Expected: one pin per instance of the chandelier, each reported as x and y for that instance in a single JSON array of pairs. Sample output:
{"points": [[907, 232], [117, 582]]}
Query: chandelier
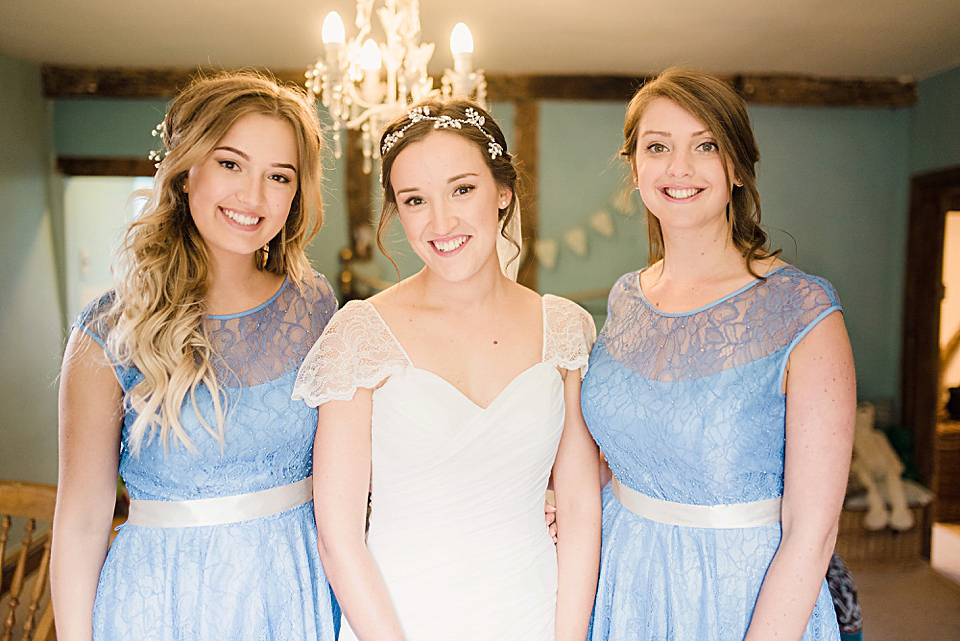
{"points": [[365, 85]]}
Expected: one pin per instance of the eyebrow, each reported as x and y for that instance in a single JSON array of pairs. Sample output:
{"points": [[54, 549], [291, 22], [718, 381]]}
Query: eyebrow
{"points": [[282, 165], [454, 179], [667, 134], [451, 179]]}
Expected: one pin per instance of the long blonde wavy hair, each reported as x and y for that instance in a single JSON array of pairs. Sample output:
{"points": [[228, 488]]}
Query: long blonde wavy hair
{"points": [[163, 268]]}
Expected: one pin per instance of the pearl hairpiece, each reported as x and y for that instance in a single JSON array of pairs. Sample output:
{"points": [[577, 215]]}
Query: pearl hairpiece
{"points": [[158, 155], [418, 114]]}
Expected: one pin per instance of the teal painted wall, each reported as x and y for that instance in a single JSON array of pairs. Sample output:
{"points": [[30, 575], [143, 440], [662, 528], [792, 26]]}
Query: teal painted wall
{"points": [[106, 127], [581, 172], [836, 180], [30, 329], [935, 123]]}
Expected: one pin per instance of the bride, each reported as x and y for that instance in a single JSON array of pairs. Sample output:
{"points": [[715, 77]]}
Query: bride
{"points": [[451, 397]]}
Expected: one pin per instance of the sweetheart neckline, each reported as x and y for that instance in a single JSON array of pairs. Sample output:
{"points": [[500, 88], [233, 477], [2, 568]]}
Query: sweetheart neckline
{"points": [[496, 398], [543, 347]]}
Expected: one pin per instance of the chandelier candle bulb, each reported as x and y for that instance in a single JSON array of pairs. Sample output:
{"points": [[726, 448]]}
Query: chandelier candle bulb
{"points": [[334, 38], [461, 46], [366, 89], [371, 63], [333, 32]]}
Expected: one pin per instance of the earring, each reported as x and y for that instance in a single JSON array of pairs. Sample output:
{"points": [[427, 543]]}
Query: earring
{"points": [[728, 211], [264, 256]]}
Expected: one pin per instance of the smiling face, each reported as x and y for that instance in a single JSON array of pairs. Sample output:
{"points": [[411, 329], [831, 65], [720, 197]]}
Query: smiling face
{"points": [[240, 194], [448, 201], [678, 167]]}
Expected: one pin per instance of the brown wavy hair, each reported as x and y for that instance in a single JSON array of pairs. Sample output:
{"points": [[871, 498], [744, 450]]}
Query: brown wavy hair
{"points": [[162, 271], [724, 113], [502, 167]]}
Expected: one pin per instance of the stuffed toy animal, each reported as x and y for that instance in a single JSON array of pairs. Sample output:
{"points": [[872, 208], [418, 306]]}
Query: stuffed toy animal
{"points": [[874, 462]]}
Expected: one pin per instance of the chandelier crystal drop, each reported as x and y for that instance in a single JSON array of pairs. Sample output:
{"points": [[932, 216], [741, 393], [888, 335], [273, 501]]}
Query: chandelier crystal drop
{"points": [[366, 84]]}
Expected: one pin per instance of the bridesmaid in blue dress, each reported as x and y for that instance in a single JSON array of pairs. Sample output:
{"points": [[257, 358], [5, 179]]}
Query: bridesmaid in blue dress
{"points": [[721, 391], [180, 379]]}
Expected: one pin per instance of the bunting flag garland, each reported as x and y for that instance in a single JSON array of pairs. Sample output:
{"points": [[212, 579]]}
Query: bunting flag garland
{"points": [[600, 220], [546, 250], [576, 238]]}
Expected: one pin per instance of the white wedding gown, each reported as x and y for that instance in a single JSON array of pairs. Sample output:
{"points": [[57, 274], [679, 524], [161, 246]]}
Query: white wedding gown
{"points": [[456, 525]]}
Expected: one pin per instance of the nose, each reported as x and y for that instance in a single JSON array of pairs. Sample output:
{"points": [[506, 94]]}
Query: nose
{"points": [[444, 218], [250, 191], [681, 164]]}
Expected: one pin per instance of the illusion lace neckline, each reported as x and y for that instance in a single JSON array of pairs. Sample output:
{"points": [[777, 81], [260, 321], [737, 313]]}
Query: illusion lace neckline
{"points": [[256, 308], [753, 283]]}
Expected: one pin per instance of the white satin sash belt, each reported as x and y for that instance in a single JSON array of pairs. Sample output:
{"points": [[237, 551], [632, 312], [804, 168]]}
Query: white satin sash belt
{"points": [[222, 509], [736, 515]]}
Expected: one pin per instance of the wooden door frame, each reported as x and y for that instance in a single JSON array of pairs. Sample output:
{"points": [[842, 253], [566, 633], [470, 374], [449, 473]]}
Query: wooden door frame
{"points": [[932, 195]]}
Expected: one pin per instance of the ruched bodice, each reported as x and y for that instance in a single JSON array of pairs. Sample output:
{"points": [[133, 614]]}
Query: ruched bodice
{"points": [[456, 522], [457, 504]]}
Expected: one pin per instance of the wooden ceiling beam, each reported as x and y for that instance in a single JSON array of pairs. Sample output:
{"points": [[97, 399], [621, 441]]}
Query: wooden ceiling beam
{"points": [[764, 89], [105, 166]]}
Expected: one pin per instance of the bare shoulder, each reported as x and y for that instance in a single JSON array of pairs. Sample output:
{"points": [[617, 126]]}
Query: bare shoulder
{"points": [[523, 294], [400, 298]]}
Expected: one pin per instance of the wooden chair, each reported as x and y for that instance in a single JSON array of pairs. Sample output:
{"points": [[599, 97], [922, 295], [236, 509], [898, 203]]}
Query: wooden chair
{"points": [[33, 502]]}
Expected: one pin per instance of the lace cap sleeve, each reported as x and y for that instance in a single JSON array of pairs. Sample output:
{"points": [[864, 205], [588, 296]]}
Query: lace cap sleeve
{"points": [[807, 300], [356, 350], [569, 334], [322, 300], [93, 320]]}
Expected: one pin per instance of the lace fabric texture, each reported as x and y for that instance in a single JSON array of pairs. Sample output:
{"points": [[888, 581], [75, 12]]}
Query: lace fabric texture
{"points": [[689, 408], [357, 350], [456, 522], [257, 579]]}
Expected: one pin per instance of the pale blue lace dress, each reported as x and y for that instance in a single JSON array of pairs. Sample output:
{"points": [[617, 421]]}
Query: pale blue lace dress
{"points": [[688, 408], [256, 579]]}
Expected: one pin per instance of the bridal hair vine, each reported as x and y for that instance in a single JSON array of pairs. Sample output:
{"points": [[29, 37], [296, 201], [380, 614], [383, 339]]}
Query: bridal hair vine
{"points": [[157, 155], [418, 114]]}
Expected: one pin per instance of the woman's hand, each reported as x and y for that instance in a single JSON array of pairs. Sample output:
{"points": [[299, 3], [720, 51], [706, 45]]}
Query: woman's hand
{"points": [[550, 516]]}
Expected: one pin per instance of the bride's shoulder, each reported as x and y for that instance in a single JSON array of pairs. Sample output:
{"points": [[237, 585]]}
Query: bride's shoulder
{"points": [[566, 317], [352, 313]]}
